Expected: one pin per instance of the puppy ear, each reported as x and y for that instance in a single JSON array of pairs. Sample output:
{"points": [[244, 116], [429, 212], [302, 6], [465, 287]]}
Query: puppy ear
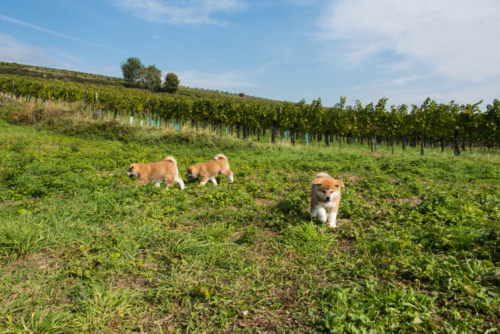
{"points": [[338, 183], [317, 181]]}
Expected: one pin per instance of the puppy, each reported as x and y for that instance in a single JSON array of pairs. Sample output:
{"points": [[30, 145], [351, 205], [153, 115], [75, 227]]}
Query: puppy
{"points": [[208, 170], [325, 195], [154, 172]]}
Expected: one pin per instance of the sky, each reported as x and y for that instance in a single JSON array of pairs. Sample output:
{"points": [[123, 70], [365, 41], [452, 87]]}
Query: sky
{"points": [[365, 50]]}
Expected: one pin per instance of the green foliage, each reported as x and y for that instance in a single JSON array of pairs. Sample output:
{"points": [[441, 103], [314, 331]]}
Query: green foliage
{"points": [[171, 83], [152, 79], [132, 70]]}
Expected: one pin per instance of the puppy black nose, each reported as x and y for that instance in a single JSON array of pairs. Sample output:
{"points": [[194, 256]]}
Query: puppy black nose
{"points": [[327, 198]]}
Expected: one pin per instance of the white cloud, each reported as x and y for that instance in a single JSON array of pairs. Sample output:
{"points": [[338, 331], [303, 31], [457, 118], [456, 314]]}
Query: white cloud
{"points": [[111, 71], [32, 26], [12, 50], [180, 12], [454, 39], [234, 82], [154, 37]]}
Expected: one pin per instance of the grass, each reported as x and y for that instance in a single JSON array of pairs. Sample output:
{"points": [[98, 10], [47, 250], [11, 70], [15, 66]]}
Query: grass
{"points": [[82, 250]]}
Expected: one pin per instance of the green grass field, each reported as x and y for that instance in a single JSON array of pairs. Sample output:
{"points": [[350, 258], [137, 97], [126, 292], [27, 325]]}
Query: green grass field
{"points": [[82, 250]]}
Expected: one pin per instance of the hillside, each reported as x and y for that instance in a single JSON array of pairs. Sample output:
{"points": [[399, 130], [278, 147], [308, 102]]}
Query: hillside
{"points": [[97, 79]]}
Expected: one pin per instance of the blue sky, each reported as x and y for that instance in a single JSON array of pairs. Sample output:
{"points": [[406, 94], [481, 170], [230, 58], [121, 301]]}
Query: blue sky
{"points": [[286, 50]]}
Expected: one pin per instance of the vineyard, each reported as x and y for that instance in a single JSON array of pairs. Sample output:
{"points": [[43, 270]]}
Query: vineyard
{"points": [[430, 125], [52, 74]]}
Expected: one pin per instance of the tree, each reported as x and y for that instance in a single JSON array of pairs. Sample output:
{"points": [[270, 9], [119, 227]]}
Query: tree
{"points": [[152, 78], [132, 70], [171, 83]]}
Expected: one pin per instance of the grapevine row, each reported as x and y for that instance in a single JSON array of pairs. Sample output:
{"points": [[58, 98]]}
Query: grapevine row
{"points": [[431, 123]]}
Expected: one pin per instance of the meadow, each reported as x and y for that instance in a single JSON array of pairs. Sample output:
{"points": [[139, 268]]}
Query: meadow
{"points": [[417, 248]]}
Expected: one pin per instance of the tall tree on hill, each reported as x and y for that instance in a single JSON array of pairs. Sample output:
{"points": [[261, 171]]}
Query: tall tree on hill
{"points": [[152, 79], [171, 83], [132, 70]]}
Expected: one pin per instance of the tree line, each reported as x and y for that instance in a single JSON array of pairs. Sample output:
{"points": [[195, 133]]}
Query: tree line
{"points": [[432, 124], [138, 75]]}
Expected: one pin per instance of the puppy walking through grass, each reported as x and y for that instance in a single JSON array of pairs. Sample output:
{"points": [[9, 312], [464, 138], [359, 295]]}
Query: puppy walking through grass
{"points": [[155, 172], [210, 169], [325, 195]]}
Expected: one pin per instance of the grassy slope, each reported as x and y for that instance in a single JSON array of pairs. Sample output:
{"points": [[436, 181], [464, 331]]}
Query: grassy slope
{"points": [[83, 250], [96, 79]]}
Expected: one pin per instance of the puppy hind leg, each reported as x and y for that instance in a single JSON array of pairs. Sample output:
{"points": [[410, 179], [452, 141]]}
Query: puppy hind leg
{"points": [[179, 181], [169, 182], [229, 176]]}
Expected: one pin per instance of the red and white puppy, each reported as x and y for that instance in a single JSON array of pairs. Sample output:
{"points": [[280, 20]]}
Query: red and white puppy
{"points": [[155, 172], [325, 195], [209, 170]]}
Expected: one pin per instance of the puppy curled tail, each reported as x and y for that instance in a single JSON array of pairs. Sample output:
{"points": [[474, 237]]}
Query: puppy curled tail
{"points": [[220, 156], [171, 159]]}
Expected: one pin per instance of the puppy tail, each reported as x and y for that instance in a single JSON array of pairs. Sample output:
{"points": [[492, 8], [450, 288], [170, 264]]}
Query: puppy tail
{"points": [[171, 159], [220, 156]]}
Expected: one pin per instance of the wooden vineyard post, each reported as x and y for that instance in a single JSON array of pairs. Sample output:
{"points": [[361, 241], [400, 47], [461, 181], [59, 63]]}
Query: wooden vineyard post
{"points": [[374, 130], [12, 96], [422, 144]]}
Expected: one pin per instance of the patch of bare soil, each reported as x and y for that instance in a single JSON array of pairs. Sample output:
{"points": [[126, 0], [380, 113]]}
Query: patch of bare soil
{"points": [[9, 203], [381, 155], [104, 173], [267, 322], [414, 201], [351, 177], [346, 246], [263, 201]]}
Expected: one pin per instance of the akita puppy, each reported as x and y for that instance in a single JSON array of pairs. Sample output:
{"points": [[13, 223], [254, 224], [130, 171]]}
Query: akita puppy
{"points": [[209, 170], [155, 172], [325, 195]]}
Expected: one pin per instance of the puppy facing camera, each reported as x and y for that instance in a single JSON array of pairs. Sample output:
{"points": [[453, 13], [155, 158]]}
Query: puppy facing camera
{"points": [[325, 195]]}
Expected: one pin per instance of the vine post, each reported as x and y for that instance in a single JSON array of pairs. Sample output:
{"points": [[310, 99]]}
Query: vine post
{"points": [[374, 129]]}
